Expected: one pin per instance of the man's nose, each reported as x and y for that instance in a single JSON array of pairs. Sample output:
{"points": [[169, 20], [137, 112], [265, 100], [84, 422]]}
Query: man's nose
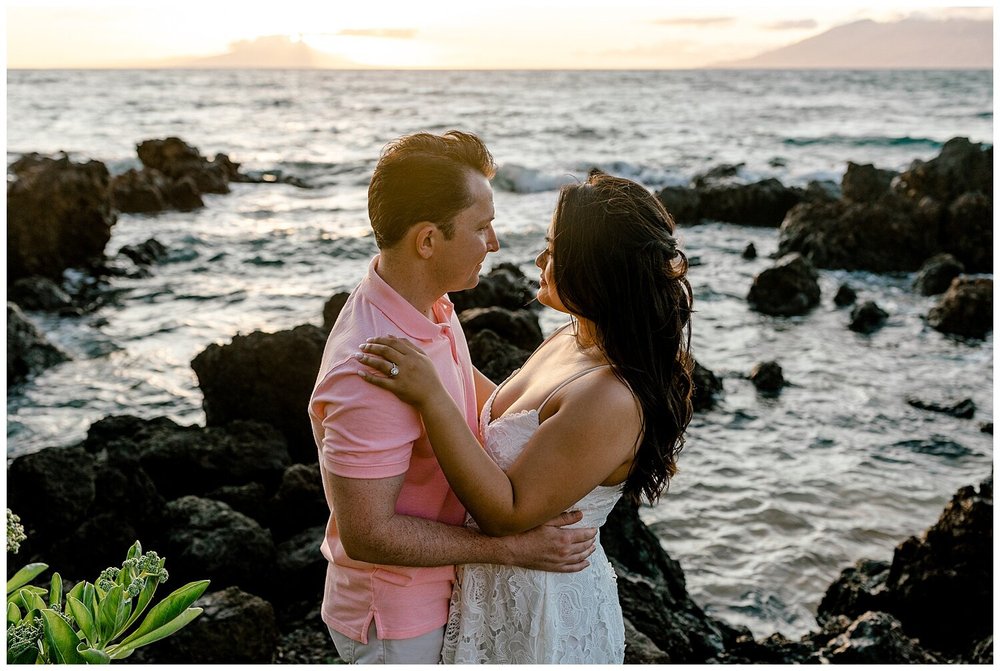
{"points": [[492, 243]]}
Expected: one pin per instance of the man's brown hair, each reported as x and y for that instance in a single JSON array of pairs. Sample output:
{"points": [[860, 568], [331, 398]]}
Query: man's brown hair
{"points": [[422, 177]]}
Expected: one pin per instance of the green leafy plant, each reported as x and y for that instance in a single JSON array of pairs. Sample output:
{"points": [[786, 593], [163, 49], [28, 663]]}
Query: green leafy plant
{"points": [[93, 622]]}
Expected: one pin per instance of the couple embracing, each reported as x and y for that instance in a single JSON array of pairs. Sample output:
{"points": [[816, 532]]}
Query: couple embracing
{"points": [[465, 515]]}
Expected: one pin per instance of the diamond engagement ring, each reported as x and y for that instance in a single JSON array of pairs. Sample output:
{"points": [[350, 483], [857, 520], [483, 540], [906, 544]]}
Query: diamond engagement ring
{"points": [[394, 371]]}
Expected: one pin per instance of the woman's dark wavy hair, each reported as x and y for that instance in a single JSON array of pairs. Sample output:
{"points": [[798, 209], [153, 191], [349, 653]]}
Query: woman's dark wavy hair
{"points": [[616, 263]]}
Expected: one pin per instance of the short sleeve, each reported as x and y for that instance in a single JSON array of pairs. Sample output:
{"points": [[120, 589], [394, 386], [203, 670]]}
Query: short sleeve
{"points": [[368, 433]]}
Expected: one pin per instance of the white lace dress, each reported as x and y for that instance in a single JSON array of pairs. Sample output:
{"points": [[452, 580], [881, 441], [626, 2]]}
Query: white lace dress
{"points": [[513, 615]]}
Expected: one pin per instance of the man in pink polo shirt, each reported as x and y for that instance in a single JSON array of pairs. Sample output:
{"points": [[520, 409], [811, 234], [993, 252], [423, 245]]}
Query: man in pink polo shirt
{"points": [[395, 531]]}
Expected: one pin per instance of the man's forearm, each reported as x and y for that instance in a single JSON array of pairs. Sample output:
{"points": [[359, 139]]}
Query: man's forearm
{"points": [[413, 541]]}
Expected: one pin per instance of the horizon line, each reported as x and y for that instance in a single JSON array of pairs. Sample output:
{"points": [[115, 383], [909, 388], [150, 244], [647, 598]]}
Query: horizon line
{"points": [[516, 69]]}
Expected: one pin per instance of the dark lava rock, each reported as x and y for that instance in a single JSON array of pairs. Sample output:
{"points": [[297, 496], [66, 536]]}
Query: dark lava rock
{"points": [[251, 499], [191, 459], [888, 235], [762, 203], [126, 508], [936, 274], [184, 195], [960, 167], [876, 638], [59, 216], [208, 539], [145, 253], [140, 191], [299, 502], [986, 427], [38, 293], [518, 327], [235, 628], [966, 309], [640, 648], [942, 581], [725, 174], [788, 288], [301, 571], [749, 252], [495, 357], [28, 352], [939, 585], [867, 317], [654, 596], [845, 296], [176, 159], [504, 286], [767, 377], [944, 205], [266, 377], [706, 387], [965, 409], [865, 183], [51, 490], [857, 590], [332, 308], [683, 203], [968, 231]]}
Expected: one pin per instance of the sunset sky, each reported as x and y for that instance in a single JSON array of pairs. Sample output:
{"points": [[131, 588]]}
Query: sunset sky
{"points": [[436, 33]]}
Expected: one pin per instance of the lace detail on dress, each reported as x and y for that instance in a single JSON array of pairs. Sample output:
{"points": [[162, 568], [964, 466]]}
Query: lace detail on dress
{"points": [[513, 615]]}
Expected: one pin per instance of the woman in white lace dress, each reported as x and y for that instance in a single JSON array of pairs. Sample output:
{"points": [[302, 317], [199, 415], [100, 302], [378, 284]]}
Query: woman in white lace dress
{"points": [[598, 411]]}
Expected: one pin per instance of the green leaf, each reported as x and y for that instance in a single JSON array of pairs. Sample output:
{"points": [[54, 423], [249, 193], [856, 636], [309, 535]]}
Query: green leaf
{"points": [[56, 590], [61, 638], [24, 576], [108, 613], [121, 617], [21, 598], [89, 598], [13, 613], [169, 608], [95, 656], [83, 618], [31, 599], [135, 551], [141, 601], [77, 591], [174, 625]]}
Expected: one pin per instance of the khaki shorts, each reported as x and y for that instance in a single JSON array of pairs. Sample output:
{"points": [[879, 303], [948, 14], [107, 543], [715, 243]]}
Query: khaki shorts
{"points": [[425, 649]]}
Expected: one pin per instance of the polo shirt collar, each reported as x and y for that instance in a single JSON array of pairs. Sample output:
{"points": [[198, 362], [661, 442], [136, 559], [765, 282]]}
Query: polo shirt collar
{"points": [[398, 309]]}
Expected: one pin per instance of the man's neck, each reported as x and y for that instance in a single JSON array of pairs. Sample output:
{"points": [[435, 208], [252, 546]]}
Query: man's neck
{"points": [[409, 283]]}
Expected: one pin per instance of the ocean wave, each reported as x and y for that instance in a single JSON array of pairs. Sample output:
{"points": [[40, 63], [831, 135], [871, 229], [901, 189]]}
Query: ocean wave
{"points": [[519, 179], [863, 141], [649, 176]]}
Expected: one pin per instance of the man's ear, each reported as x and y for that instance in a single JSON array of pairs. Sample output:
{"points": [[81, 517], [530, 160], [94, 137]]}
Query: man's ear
{"points": [[425, 239]]}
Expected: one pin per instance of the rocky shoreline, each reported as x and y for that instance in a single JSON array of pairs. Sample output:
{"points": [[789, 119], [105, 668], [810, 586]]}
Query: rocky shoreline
{"points": [[239, 501]]}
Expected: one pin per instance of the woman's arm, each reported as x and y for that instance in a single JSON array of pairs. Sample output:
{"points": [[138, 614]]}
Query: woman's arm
{"points": [[590, 434]]}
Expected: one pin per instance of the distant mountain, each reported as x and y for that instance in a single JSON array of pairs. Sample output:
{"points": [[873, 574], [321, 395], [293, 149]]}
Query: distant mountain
{"points": [[275, 51], [910, 43]]}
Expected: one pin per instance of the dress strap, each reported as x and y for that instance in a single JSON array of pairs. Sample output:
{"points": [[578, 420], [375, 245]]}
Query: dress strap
{"points": [[567, 381], [489, 416]]}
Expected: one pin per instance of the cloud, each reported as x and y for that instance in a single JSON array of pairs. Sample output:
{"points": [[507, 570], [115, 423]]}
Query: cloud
{"points": [[804, 24], [694, 21], [390, 33]]}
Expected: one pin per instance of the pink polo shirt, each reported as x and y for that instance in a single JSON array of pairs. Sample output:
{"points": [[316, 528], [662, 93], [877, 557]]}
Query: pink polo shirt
{"points": [[367, 433]]}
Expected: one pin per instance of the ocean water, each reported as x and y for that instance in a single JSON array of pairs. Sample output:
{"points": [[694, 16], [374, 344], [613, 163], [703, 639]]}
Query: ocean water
{"points": [[775, 495]]}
